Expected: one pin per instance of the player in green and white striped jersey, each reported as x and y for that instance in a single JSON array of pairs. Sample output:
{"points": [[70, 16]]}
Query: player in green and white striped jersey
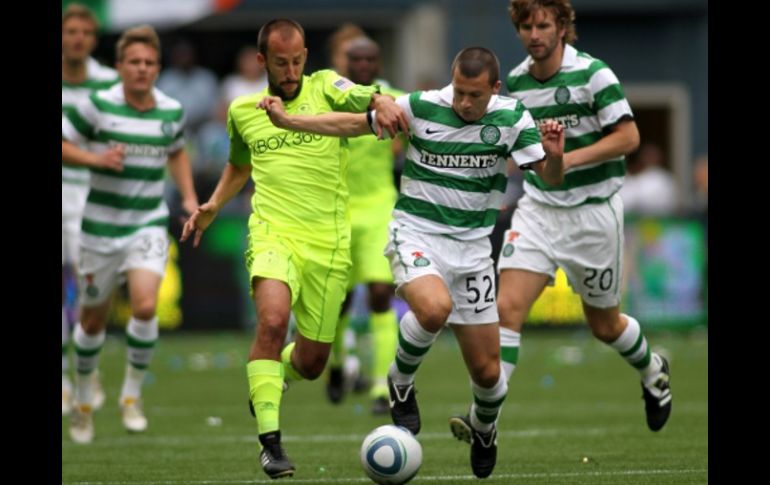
{"points": [[133, 132], [80, 76], [577, 225], [439, 249]]}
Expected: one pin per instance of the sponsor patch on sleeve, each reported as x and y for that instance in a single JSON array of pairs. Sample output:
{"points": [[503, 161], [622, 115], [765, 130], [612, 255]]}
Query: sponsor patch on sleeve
{"points": [[343, 84]]}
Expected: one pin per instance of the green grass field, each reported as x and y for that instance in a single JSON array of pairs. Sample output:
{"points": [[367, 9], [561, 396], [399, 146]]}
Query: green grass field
{"points": [[570, 398]]}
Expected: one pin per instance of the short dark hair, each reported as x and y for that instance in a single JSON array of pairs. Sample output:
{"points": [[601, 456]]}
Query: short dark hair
{"points": [[472, 61], [285, 26], [562, 10]]}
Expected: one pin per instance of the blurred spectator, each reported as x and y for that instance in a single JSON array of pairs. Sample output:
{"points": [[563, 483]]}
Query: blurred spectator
{"points": [[194, 86], [338, 46], [649, 189], [701, 183], [248, 78]]}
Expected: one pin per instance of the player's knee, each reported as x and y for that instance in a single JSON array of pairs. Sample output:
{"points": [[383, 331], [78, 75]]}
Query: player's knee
{"points": [[511, 309], [606, 331], [145, 312], [273, 326], [485, 373], [433, 314], [311, 366], [379, 297], [91, 322]]}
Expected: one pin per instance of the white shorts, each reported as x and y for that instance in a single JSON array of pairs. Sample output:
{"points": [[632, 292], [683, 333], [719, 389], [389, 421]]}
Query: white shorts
{"points": [[100, 273], [465, 266], [585, 241], [73, 201]]}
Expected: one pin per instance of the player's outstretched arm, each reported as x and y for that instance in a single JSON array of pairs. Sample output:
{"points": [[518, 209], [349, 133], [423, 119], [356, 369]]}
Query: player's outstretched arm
{"points": [[622, 140], [230, 183], [330, 124]]}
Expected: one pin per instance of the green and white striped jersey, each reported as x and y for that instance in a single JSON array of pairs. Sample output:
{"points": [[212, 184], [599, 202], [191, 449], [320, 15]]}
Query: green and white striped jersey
{"points": [[97, 77], [454, 175], [586, 97], [120, 204]]}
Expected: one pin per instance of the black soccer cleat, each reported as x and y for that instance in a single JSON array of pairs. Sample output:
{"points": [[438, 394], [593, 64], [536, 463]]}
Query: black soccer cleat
{"points": [[335, 386], [403, 406], [657, 401], [272, 457], [483, 444], [380, 406]]}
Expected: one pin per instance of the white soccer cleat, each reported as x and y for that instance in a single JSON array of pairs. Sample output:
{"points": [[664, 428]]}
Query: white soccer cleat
{"points": [[97, 391], [81, 424], [133, 416]]}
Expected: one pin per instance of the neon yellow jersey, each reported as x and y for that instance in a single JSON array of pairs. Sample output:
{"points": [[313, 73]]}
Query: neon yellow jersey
{"points": [[300, 179], [370, 175]]}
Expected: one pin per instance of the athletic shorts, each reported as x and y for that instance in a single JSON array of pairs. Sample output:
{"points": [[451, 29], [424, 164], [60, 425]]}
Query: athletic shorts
{"points": [[585, 241], [369, 236], [465, 266], [100, 273], [316, 276]]}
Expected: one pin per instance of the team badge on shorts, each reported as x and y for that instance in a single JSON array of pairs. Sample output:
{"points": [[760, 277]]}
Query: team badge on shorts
{"points": [[490, 134], [561, 96], [420, 260], [91, 289], [507, 250]]}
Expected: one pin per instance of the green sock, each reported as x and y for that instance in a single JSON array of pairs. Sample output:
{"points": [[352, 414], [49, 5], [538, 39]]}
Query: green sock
{"points": [[265, 390], [339, 350], [384, 331], [290, 373]]}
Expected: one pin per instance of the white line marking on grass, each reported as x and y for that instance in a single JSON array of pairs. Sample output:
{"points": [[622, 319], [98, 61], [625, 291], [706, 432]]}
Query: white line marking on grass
{"points": [[418, 478], [321, 438]]}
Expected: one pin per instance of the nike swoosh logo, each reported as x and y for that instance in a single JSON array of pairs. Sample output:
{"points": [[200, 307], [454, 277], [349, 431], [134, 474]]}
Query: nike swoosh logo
{"points": [[428, 131], [479, 310]]}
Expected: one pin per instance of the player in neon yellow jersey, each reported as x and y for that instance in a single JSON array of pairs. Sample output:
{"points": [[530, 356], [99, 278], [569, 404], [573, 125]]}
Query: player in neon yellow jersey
{"points": [[298, 256], [372, 196]]}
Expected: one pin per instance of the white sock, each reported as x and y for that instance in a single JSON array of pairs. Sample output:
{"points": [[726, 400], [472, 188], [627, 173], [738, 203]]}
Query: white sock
{"points": [[141, 336], [487, 403], [413, 344], [510, 342], [87, 348], [633, 347]]}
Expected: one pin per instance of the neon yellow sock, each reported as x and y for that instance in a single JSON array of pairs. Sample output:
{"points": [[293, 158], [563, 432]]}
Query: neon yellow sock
{"points": [[384, 330], [289, 371], [339, 350], [265, 390]]}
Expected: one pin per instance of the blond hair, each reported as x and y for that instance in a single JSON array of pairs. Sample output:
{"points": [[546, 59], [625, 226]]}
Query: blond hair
{"points": [[143, 34]]}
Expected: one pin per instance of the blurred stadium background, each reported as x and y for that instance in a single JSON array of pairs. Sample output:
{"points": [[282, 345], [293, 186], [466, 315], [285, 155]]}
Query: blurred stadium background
{"points": [[659, 51]]}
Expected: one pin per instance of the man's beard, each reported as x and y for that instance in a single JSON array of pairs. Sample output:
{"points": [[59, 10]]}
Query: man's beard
{"points": [[278, 91]]}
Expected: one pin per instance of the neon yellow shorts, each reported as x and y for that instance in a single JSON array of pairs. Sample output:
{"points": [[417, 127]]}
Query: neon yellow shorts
{"points": [[369, 236], [317, 278]]}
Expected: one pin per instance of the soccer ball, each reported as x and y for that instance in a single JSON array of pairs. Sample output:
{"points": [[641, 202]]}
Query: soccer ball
{"points": [[391, 455]]}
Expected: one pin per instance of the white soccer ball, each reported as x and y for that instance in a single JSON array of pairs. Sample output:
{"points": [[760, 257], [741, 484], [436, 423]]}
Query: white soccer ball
{"points": [[391, 455]]}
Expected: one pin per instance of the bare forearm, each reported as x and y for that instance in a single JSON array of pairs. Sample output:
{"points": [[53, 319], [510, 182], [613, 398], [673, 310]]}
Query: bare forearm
{"points": [[233, 178], [623, 140], [179, 167], [330, 124], [553, 170], [75, 156]]}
